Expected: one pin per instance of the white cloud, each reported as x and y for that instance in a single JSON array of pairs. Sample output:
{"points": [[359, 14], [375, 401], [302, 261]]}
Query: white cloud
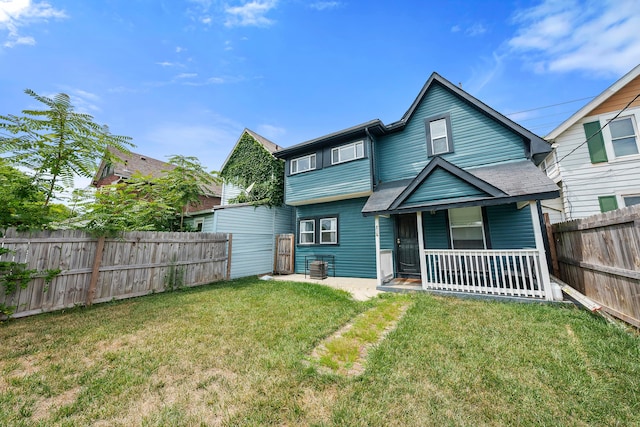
{"points": [[594, 36], [325, 5], [186, 76], [169, 64], [251, 13], [476, 30], [15, 14], [271, 132]]}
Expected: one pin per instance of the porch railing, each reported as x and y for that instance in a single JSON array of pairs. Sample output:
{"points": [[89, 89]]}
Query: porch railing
{"points": [[498, 272]]}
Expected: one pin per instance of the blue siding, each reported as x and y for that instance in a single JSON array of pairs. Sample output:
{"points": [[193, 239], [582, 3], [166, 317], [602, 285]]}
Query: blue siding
{"points": [[331, 181], [510, 227], [441, 184], [387, 233], [436, 234], [355, 254], [477, 139], [253, 241]]}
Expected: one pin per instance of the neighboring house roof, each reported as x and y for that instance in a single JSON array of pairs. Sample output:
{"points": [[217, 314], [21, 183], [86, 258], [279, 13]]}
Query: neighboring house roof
{"points": [[497, 184], [538, 147], [270, 146], [131, 163], [594, 103]]}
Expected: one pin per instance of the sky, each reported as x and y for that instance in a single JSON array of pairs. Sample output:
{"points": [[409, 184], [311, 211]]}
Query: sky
{"points": [[186, 77]]}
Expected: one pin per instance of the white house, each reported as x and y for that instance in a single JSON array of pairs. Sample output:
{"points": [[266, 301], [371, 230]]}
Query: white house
{"points": [[596, 160]]}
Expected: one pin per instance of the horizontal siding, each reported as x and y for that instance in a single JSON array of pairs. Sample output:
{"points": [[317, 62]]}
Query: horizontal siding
{"points": [[510, 227], [583, 182], [441, 184], [207, 225], [620, 99], [356, 253], [436, 233], [253, 230], [332, 181], [229, 191], [478, 140], [387, 233]]}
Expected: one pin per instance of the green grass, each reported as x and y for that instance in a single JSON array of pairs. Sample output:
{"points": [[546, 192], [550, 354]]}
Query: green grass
{"points": [[235, 353]]}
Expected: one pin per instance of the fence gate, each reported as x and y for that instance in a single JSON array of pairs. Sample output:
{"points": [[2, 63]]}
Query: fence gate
{"points": [[284, 254]]}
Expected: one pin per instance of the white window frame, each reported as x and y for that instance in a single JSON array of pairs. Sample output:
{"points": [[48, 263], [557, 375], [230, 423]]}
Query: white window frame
{"points": [[312, 232], [333, 230], [608, 139], [343, 148], [294, 169], [622, 203], [434, 137], [198, 222], [478, 224]]}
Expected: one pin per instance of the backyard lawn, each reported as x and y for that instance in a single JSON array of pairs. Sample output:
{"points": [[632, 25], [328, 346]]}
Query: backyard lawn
{"points": [[238, 353]]}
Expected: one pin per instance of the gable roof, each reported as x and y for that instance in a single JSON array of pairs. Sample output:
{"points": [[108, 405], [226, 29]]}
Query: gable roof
{"points": [[131, 163], [503, 183], [594, 103], [270, 146], [538, 147]]}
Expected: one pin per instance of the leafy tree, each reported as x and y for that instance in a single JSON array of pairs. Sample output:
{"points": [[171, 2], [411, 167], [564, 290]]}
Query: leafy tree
{"points": [[144, 203], [183, 185], [252, 167], [57, 142], [21, 200]]}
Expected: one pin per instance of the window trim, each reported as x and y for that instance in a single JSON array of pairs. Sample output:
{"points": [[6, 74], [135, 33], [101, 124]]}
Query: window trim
{"points": [[300, 232], [334, 231], [608, 138], [353, 145], [198, 222], [604, 199], [624, 201], [297, 159], [482, 226], [427, 123], [317, 232]]}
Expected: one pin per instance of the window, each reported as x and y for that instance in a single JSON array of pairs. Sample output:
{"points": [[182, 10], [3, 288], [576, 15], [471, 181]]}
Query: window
{"points": [[438, 130], [467, 230], [608, 203], [303, 164], [328, 231], [307, 232], [623, 137], [318, 230], [347, 152], [198, 224], [631, 200]]}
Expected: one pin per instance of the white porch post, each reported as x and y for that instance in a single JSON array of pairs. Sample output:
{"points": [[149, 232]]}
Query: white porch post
{"points": [[423, 260], [378, 260], [537, 231]]}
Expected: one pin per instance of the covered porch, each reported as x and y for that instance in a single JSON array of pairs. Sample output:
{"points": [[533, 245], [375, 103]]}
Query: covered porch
{"points": [[485, 240]]}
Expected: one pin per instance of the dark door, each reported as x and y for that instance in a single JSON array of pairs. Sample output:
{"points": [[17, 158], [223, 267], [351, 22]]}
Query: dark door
{"points": [[408, 261]]}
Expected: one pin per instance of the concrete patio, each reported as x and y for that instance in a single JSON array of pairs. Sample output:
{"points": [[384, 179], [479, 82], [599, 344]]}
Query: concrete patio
{"points": [[360, 289]]}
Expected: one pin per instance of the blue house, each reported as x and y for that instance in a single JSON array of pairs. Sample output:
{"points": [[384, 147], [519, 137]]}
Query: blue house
{"points": [[446, 198]]}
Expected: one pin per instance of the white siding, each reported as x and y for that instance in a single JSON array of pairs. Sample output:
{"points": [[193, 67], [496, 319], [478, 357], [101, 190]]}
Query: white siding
{"points": [[583, 182], [229, 191]]}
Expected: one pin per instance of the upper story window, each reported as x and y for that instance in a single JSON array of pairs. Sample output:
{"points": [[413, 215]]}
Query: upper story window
{"points": [[439, 140], [623, 137], [618, 139], [347, 152], [303, 164]]}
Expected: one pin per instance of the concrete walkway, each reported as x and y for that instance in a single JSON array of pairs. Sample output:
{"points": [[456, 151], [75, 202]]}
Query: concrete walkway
{"points": [[360, 289]]}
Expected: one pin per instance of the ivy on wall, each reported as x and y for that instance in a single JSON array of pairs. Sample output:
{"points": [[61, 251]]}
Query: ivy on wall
{"points": [[252, 166]]}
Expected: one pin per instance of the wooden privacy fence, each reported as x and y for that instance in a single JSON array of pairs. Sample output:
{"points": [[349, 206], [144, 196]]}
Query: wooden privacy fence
{"points": [[600, 257], [101, 269]]}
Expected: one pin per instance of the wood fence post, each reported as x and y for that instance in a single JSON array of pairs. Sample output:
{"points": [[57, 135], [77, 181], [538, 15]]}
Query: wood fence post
{"points": [[95, 271], [229, 249], [552, 246]]}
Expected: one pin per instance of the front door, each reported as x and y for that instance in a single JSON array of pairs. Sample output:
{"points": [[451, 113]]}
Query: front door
{"points": [[408, 261]]}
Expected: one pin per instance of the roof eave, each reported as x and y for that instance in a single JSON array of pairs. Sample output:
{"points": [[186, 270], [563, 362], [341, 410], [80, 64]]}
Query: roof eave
{"points": [[606, 94]]}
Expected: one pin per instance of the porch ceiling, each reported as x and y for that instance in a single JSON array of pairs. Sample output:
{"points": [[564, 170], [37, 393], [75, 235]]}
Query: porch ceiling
{"points": [[515, 182]]}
